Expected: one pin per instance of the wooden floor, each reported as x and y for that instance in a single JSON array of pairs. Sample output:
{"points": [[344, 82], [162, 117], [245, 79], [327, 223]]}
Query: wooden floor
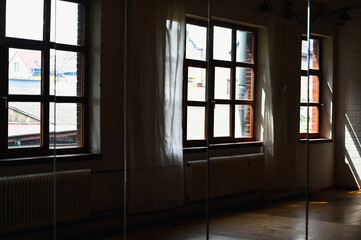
{"points": [[334, 214]]}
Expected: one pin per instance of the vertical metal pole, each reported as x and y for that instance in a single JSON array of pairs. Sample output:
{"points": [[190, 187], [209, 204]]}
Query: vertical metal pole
{"points": [[308, 124], [54, 133], [125, 116], [209, 105]]}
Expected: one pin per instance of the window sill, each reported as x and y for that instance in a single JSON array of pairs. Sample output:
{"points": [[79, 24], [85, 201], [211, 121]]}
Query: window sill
{"points": [[316, 140], [223, 146], [50, 159]]}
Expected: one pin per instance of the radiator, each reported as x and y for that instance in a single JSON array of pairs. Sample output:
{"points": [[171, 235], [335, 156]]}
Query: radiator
{"points": [[227, 176], [27, 201]]}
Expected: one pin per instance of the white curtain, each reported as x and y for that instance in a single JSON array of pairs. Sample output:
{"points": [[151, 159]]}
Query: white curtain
{"points": [[154, 116], [281, 136]]}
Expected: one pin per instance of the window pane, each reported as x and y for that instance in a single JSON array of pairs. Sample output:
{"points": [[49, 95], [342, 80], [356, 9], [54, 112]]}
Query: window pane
{"points": [[66, 77], [196, 123], [222, 48], [314, 54], [23, 124], [314, 89], [24, 71], [68, 27], [66, 123], [243, 120], [24, 19], [244, 46], [196, 42], [222, 78], [313, 120], [196, 84], [221, 120], [244, 83]]}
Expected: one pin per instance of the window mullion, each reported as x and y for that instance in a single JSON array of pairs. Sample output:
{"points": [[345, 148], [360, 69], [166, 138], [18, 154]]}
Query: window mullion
{"points": [[3, 100], [210, 86], [3, 80], [85, 73], [2, 21], [233, 86], [210, 98], [46, 98], [47, 12], [46, 76]]}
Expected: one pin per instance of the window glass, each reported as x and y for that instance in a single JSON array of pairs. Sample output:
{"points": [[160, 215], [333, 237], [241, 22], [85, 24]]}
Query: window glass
{"points": [[244, 46], [24, 19], [244, 83], [313, 120], [65, 122], [221, 120], [314, 54], [65, 75], [24, 124], [243, 116], [196, 42], [24, 71], [196, 84], [66, 22], [222, 85], [314, 89], [222, 47], [196, 123]]}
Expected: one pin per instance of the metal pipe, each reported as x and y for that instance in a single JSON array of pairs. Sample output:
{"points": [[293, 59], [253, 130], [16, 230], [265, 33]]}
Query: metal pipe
{"points": [[125, 117], [209, 105], [308, 124]]}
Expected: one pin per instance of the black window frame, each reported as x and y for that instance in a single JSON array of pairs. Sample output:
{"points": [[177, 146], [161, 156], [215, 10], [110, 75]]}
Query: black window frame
{"points": [[45, 98], [232, 102]]}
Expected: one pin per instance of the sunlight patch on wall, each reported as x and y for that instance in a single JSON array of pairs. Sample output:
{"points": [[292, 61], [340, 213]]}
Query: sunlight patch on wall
{"points": [[352, 151]]}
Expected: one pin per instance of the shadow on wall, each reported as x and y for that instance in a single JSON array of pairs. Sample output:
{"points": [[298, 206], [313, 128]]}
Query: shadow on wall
{"points": [[352, 151]]}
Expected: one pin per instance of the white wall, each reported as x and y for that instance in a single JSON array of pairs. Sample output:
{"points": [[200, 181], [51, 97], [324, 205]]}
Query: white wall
{"points": [[348, 108]]}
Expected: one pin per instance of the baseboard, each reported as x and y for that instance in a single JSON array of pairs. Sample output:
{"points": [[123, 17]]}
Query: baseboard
{"points": [[272, 195], [346, 188], [322, 189]]}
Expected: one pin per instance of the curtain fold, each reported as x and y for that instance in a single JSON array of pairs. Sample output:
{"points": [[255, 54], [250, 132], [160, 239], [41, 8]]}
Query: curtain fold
{"points": [[282, 115], [154, 88]]}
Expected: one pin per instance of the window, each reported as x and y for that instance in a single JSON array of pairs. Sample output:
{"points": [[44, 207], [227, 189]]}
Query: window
{"points": [[43, 72], [231, 83], [314, 89]]}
